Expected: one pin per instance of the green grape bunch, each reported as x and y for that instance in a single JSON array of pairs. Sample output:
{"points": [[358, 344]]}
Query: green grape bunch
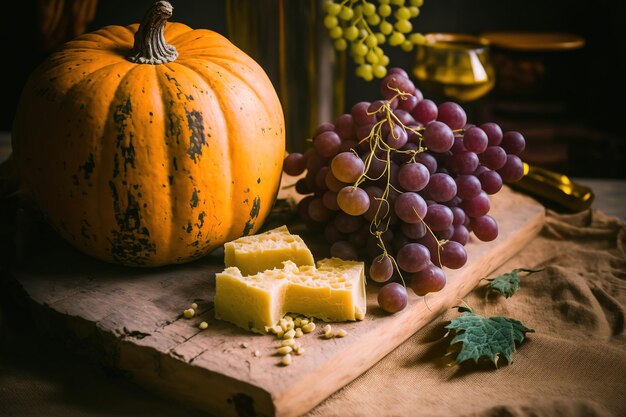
{"points": [[366, 25]]}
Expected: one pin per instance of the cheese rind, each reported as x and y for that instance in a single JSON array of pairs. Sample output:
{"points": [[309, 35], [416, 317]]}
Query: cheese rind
{"points": [[268, 250], [334, 291]]}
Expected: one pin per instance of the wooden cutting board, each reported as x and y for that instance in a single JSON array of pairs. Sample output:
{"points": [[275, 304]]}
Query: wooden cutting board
{"points": [[131, 319]]}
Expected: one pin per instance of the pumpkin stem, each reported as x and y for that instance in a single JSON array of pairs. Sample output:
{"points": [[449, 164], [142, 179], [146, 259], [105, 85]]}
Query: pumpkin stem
{"points": [[150, 46]]}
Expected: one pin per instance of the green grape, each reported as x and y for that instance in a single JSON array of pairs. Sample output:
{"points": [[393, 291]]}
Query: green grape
{"points": [[365, 71], [384, 10], [332, 8], [372, 58], [336, 32], [379, 71], [407, 46], [364, 68], [371, 40], [397, 2], [330, 21], [341, 44], [363, 33], [346, 13], [403, 13], [351, 33], [417, 38], [414, 11], [403, 26], [360, 49], [359, 60], [385, 28], [383, 60], [416, 3], [378, 51], [373, 20], [380, 38], [369, 9], [396, 39], [383, 1]]}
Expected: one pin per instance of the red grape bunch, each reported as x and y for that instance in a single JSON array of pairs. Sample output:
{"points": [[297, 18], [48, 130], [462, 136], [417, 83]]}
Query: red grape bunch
{"points": [[402, 182]]}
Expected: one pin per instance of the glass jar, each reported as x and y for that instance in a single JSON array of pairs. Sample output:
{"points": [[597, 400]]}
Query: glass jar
{"points": [[454, 66]]}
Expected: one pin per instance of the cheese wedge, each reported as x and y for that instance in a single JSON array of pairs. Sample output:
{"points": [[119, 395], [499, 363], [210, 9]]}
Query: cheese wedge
{"points": [[334, 291], [268, 250]]}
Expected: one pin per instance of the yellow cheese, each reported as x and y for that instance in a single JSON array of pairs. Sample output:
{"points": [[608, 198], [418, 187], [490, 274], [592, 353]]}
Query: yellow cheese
{"points": [[334, 291], [252, 254]]}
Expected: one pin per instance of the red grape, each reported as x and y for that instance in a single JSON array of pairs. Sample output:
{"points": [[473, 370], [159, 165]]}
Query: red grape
{"points": [[393, 297], [381, 269], [344, 250], [410, 207], [475, 140], [513, 169], [490, 181], [429, 279], [494, 133], [413, 176], [360, 115], [353, 200], [513, 142], [327, 144], [452, 114], [425, 112], [438, 137], [347, 167], [494, 157], [441, 187], [413, 257], [294, 164], [485, 228], [453, 255]]}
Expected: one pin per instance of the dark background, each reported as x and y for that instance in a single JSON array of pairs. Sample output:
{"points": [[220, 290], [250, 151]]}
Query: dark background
{"points": [[571, 124]]}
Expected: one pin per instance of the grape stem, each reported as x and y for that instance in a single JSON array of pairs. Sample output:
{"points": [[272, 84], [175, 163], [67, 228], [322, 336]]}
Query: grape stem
{"points": [[440, 243], [378, 145]]}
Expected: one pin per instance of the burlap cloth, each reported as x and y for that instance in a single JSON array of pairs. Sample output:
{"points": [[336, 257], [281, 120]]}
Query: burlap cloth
{"points": [[574, 365]]}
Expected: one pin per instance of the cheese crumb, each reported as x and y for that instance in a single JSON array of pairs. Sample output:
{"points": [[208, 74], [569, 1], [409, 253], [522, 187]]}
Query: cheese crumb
{"points": [[189, 313], [286, 360], [204, 325], [308, 328], [284, 350]]}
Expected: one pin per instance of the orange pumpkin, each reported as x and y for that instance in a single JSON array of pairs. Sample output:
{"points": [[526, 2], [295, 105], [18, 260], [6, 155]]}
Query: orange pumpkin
{"points": [[150, 145]]}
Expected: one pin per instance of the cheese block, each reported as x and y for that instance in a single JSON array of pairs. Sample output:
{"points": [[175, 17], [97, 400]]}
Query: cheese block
{"points": [[334, 291], [268, 250]]}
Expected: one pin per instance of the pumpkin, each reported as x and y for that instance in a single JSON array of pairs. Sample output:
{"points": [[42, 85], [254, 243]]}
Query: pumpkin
{"points": [[150, 144]]}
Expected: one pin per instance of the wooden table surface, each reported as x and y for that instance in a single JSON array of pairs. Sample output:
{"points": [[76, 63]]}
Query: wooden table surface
{"points": [[44, 369]]}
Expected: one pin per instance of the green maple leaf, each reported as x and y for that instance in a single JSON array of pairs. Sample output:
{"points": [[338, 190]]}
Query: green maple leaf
{"points": [[508, 284], [490, 338]]}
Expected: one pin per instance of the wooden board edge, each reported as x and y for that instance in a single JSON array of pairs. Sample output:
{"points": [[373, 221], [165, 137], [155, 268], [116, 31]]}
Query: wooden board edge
{"points": [[167, 375], [159, 372]]}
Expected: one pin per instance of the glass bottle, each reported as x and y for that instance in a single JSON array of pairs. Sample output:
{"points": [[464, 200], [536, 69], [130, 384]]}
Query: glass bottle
{"points": [[288, 39]]}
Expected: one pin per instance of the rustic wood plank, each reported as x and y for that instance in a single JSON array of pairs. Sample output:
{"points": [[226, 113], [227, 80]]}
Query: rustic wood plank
{"points": [[133, 317]]}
